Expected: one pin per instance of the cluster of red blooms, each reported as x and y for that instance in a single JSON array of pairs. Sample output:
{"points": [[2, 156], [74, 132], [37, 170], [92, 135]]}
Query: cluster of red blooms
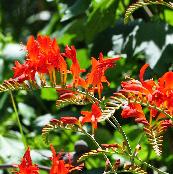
{"points": [[153, 94], [58, 165], [44, 57]]}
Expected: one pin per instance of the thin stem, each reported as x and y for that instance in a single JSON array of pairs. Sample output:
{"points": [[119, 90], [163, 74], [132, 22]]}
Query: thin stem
{"points": [[18, 121], [123, 134], [151, 166], [97, 145], [112, 124], [149, 153]]}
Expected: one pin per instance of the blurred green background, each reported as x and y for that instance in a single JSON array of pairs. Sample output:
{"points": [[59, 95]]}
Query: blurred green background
{"points": [[93, 26]]}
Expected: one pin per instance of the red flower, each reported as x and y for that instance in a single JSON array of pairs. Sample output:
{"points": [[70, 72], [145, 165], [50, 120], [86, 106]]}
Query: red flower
{"points": [[140, 87], [59, 166], [26, 166], [44, 57], [142, 91], [161, 93], [166, 88], [69, 95], [20, 71], [166, 81], [32, 50], [135, 111], [164, 124], [92, 116], [75, 67], [96, 77], [148, 84], [156, 94]]}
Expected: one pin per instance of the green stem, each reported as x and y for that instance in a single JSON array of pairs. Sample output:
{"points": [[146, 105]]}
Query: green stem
{"points": [[97, 145], [152, 167], [123, 134], [112, 124], [18, 120]]}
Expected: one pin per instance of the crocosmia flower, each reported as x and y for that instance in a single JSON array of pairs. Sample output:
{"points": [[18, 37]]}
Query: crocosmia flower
{"points": [[59, 166], [151, 93], [26, 166], [135, 111], [92, 116], [43, 57], [70, 52], [96, 77]]}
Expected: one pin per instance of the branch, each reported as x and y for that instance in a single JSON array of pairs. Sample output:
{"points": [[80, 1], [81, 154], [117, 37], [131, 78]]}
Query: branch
{"points": [[152, 167], [123, 134], [97, 145]]}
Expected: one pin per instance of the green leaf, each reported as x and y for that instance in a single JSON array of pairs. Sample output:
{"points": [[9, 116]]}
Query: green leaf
{"points": [[50, 26], [165, 60], [82, 55], [168, 16], [10, 149], [75, 28], [100, 18], [155, 45], [103, 135], [2, 100], [64, 38], [27, 112], [13, 51], [43, 120], [76, 9], [49, 94]]}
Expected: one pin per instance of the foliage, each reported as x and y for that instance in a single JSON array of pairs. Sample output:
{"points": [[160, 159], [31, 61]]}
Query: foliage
{"points": [[93, 27]]}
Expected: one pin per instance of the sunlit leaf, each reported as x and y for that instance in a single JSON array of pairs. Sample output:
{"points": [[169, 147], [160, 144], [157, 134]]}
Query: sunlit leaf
{"points": [[49, 94]]}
